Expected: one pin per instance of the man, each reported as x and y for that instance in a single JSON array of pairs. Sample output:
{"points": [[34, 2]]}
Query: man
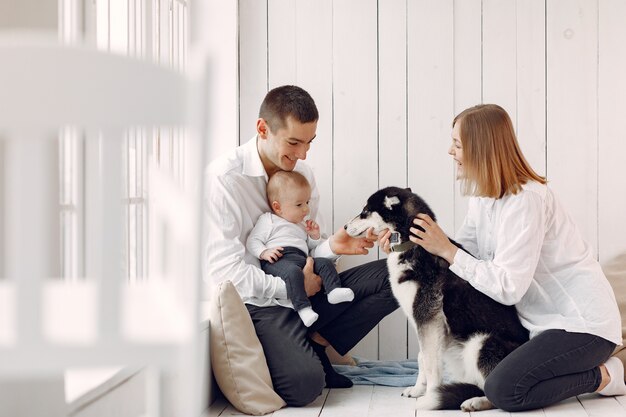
{"points": [[295, 355]]}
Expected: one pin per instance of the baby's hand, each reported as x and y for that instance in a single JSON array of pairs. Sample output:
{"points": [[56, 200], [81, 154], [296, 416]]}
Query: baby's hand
{"points": [[313, 229], [271, 255]]}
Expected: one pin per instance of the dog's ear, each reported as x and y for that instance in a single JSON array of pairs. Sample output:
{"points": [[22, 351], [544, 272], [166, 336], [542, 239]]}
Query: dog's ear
{"points": [[409, 189], [391, 201]]}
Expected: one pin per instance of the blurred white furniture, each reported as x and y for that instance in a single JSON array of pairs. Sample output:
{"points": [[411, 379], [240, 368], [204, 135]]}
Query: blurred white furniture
{"points": [[47, 324]]}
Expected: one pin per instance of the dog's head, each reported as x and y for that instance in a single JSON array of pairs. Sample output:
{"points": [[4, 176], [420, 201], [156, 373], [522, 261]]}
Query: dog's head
{"points": [[390, 208]]}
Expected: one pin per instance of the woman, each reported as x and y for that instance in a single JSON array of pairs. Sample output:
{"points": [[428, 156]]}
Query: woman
{"points": [[528, 252]]}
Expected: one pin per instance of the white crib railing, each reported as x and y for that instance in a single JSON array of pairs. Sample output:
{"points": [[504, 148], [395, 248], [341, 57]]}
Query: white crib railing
{"points": [[48, 324]]}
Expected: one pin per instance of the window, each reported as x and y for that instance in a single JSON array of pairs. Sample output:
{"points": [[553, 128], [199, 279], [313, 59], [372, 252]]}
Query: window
{"points": [[144, 29]]}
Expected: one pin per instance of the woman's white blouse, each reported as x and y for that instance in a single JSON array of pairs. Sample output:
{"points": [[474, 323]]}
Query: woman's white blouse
{"points": [[529, 252]]}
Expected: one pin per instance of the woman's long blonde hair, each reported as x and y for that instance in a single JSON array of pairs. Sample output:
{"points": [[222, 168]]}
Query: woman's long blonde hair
{"points": [[493, 162]]}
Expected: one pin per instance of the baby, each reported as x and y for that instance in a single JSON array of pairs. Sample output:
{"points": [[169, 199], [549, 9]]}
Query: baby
{"points": [[282, 240]]}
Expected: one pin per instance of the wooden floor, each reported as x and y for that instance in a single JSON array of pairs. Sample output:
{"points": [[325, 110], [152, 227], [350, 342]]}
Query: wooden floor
{"points": [[379, 401]]}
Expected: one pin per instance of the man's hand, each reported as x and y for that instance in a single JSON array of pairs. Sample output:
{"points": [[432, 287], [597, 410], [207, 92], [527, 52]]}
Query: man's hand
{"points": [[341, 243], [271, 255], [312, 281]]}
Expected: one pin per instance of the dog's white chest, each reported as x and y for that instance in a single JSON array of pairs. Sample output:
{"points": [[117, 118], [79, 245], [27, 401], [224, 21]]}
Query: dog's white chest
{"points": [[405, 291]]}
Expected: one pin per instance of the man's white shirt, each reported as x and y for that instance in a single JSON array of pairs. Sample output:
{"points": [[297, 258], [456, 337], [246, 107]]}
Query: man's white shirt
{"points": [[236, 198]]}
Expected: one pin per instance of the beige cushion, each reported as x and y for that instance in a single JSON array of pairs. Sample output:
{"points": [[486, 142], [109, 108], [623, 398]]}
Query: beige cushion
{"points": [[615, 271], [237, 357]]}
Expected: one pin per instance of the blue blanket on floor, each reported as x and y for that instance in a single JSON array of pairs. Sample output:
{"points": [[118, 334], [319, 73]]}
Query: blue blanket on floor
{"points": [[401, 373]]}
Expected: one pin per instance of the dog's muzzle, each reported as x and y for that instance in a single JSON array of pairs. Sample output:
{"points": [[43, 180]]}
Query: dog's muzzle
{"points": [[350, 230]]}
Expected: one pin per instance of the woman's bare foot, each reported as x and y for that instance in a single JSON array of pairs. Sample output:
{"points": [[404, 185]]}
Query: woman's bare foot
{"points": [[612, 378], [606, 378]]}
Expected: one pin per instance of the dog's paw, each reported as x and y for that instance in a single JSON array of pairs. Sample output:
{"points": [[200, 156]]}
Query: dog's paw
{"points": [[477, 404], [414, 391], [430, 401]]}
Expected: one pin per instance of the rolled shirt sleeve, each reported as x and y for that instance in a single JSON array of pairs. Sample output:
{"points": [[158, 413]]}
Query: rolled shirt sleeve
{"points": [[507, 247]]}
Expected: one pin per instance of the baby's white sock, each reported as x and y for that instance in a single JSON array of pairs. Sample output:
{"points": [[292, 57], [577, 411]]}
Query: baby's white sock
{"points": [[615, 368], [308, 316], [340, 295]]}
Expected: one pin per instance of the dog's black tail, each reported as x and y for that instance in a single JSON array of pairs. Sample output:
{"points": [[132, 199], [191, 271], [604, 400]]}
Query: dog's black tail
{"points": [[451, 396]]}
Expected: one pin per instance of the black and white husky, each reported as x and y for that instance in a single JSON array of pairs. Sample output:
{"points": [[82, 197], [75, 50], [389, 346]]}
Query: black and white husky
{"points": [[457, 326]]}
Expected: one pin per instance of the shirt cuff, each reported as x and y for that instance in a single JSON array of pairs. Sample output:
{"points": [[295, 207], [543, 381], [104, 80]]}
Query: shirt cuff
{"points": [[324, 251], [464, 265]]}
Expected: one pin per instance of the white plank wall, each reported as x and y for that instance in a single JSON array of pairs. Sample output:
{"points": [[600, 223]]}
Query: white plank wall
{"points": [[430, 110], [389, 76], [572, 109], [611, 132], [253, 66], [500, 55], [392, 127], [514, 69], [467, 75], [355, 124], [315, 74], [531, 81]]}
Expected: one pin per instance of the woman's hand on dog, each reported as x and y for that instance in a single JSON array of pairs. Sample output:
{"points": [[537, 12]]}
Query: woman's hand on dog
{"points": [[432, 238], [341, 243]]}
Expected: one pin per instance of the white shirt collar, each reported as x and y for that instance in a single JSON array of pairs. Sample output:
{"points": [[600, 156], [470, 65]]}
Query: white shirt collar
{"points": [[252, 165]]}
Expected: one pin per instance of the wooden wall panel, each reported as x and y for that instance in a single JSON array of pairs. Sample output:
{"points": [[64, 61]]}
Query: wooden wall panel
{"points": [[253, 73], [430, 43], [281, 42], [314, 73], [531, 82], [572, 94], [355, 124], [388, 78], [611, 132], [467, 79], [500, 55], [392, 131]]}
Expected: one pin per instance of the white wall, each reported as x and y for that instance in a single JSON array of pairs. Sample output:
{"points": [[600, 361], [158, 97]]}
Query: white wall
{"points": [[388, 77]]}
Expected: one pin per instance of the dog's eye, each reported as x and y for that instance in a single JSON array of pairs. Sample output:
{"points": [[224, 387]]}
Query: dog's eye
{"points": [[364, 213]]}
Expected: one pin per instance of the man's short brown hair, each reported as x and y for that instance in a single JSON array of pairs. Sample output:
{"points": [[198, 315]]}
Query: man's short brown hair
{"points": [[287, 101]]}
